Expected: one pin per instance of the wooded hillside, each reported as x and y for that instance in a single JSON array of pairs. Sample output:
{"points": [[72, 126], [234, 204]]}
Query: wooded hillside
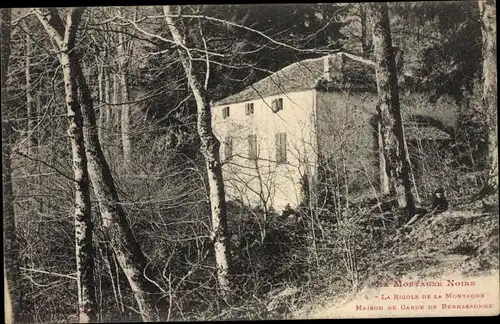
{"points": [[114, 205]]}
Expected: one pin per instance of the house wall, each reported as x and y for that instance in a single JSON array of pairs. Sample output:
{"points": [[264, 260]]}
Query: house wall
{"points": [[347, 136], [264, 182], [335, 124], [444, 109]]}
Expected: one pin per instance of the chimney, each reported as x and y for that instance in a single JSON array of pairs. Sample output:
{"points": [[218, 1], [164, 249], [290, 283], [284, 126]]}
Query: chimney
{"points": [[327, 68], [339, 64], [333, 66]]}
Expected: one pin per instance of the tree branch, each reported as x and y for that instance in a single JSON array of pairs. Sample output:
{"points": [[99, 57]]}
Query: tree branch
{"points": [[45, 163], [49, 273], [254, 31], [48, 20], [73, 19]]}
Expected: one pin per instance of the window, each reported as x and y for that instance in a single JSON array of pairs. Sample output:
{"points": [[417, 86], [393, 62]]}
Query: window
{"points": [[228, 148], [281, 148], [277, 105], [252, 147], [225, 112], [249, 109]]}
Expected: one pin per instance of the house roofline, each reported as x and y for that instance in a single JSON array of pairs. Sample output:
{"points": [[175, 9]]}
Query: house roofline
{"points": [[368, 62], [218, 104], [286, 68]]}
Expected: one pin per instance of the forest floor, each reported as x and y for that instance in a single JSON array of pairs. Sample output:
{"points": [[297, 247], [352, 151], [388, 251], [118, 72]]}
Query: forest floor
{"points": [[463, 241]]}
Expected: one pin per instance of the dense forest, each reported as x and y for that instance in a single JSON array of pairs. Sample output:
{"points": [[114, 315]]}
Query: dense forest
{"points": [[113, 194]]}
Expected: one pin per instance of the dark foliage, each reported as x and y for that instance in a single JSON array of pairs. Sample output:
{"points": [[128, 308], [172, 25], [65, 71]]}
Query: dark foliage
{"points": [[452, 54]]}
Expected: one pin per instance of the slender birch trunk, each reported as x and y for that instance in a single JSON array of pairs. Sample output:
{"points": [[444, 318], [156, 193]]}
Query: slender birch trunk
{"points": [[125, 120], [114, 221], [10, 243], [392, 130], [125, 97], [107, 97], [32, 141], [8, 311], [83, 218], [101, 100], [114, 112], [210, 150], [107, 79], [489, 33], [65, 37]]}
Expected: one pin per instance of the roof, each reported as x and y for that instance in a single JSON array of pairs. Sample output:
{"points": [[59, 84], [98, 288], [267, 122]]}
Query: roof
{"points": [[414, 131], [306, 75]]}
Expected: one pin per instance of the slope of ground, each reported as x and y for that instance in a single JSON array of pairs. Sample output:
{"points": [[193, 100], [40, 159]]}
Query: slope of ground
{"points": [[459, 242]]}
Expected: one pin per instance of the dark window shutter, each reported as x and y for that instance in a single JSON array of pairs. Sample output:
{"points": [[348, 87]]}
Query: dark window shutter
{"points": [[274, 105], [225, 112], [281, 148], [277, 105], [228, 148]]}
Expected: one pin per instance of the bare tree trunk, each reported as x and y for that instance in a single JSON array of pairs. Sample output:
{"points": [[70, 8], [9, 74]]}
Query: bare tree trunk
{"points": [[108, 98], [384, 177], [64, 37], [210, 150], [366, 32], [393, 137], [83, 218], [367, 47], [115, 223], [107, 255], [489, 31], [8, 311], [29, 98], [114, 113], [125, 98], [101, 101], [399, 62], [10, 244], [38, 113], [125, 121]]}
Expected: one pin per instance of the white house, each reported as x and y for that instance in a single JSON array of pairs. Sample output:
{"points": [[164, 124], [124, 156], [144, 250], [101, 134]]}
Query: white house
{"points": [[275, 132]]}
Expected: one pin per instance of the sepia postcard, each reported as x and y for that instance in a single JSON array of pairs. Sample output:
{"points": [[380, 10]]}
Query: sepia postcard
{"points": [[250, 161]]}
